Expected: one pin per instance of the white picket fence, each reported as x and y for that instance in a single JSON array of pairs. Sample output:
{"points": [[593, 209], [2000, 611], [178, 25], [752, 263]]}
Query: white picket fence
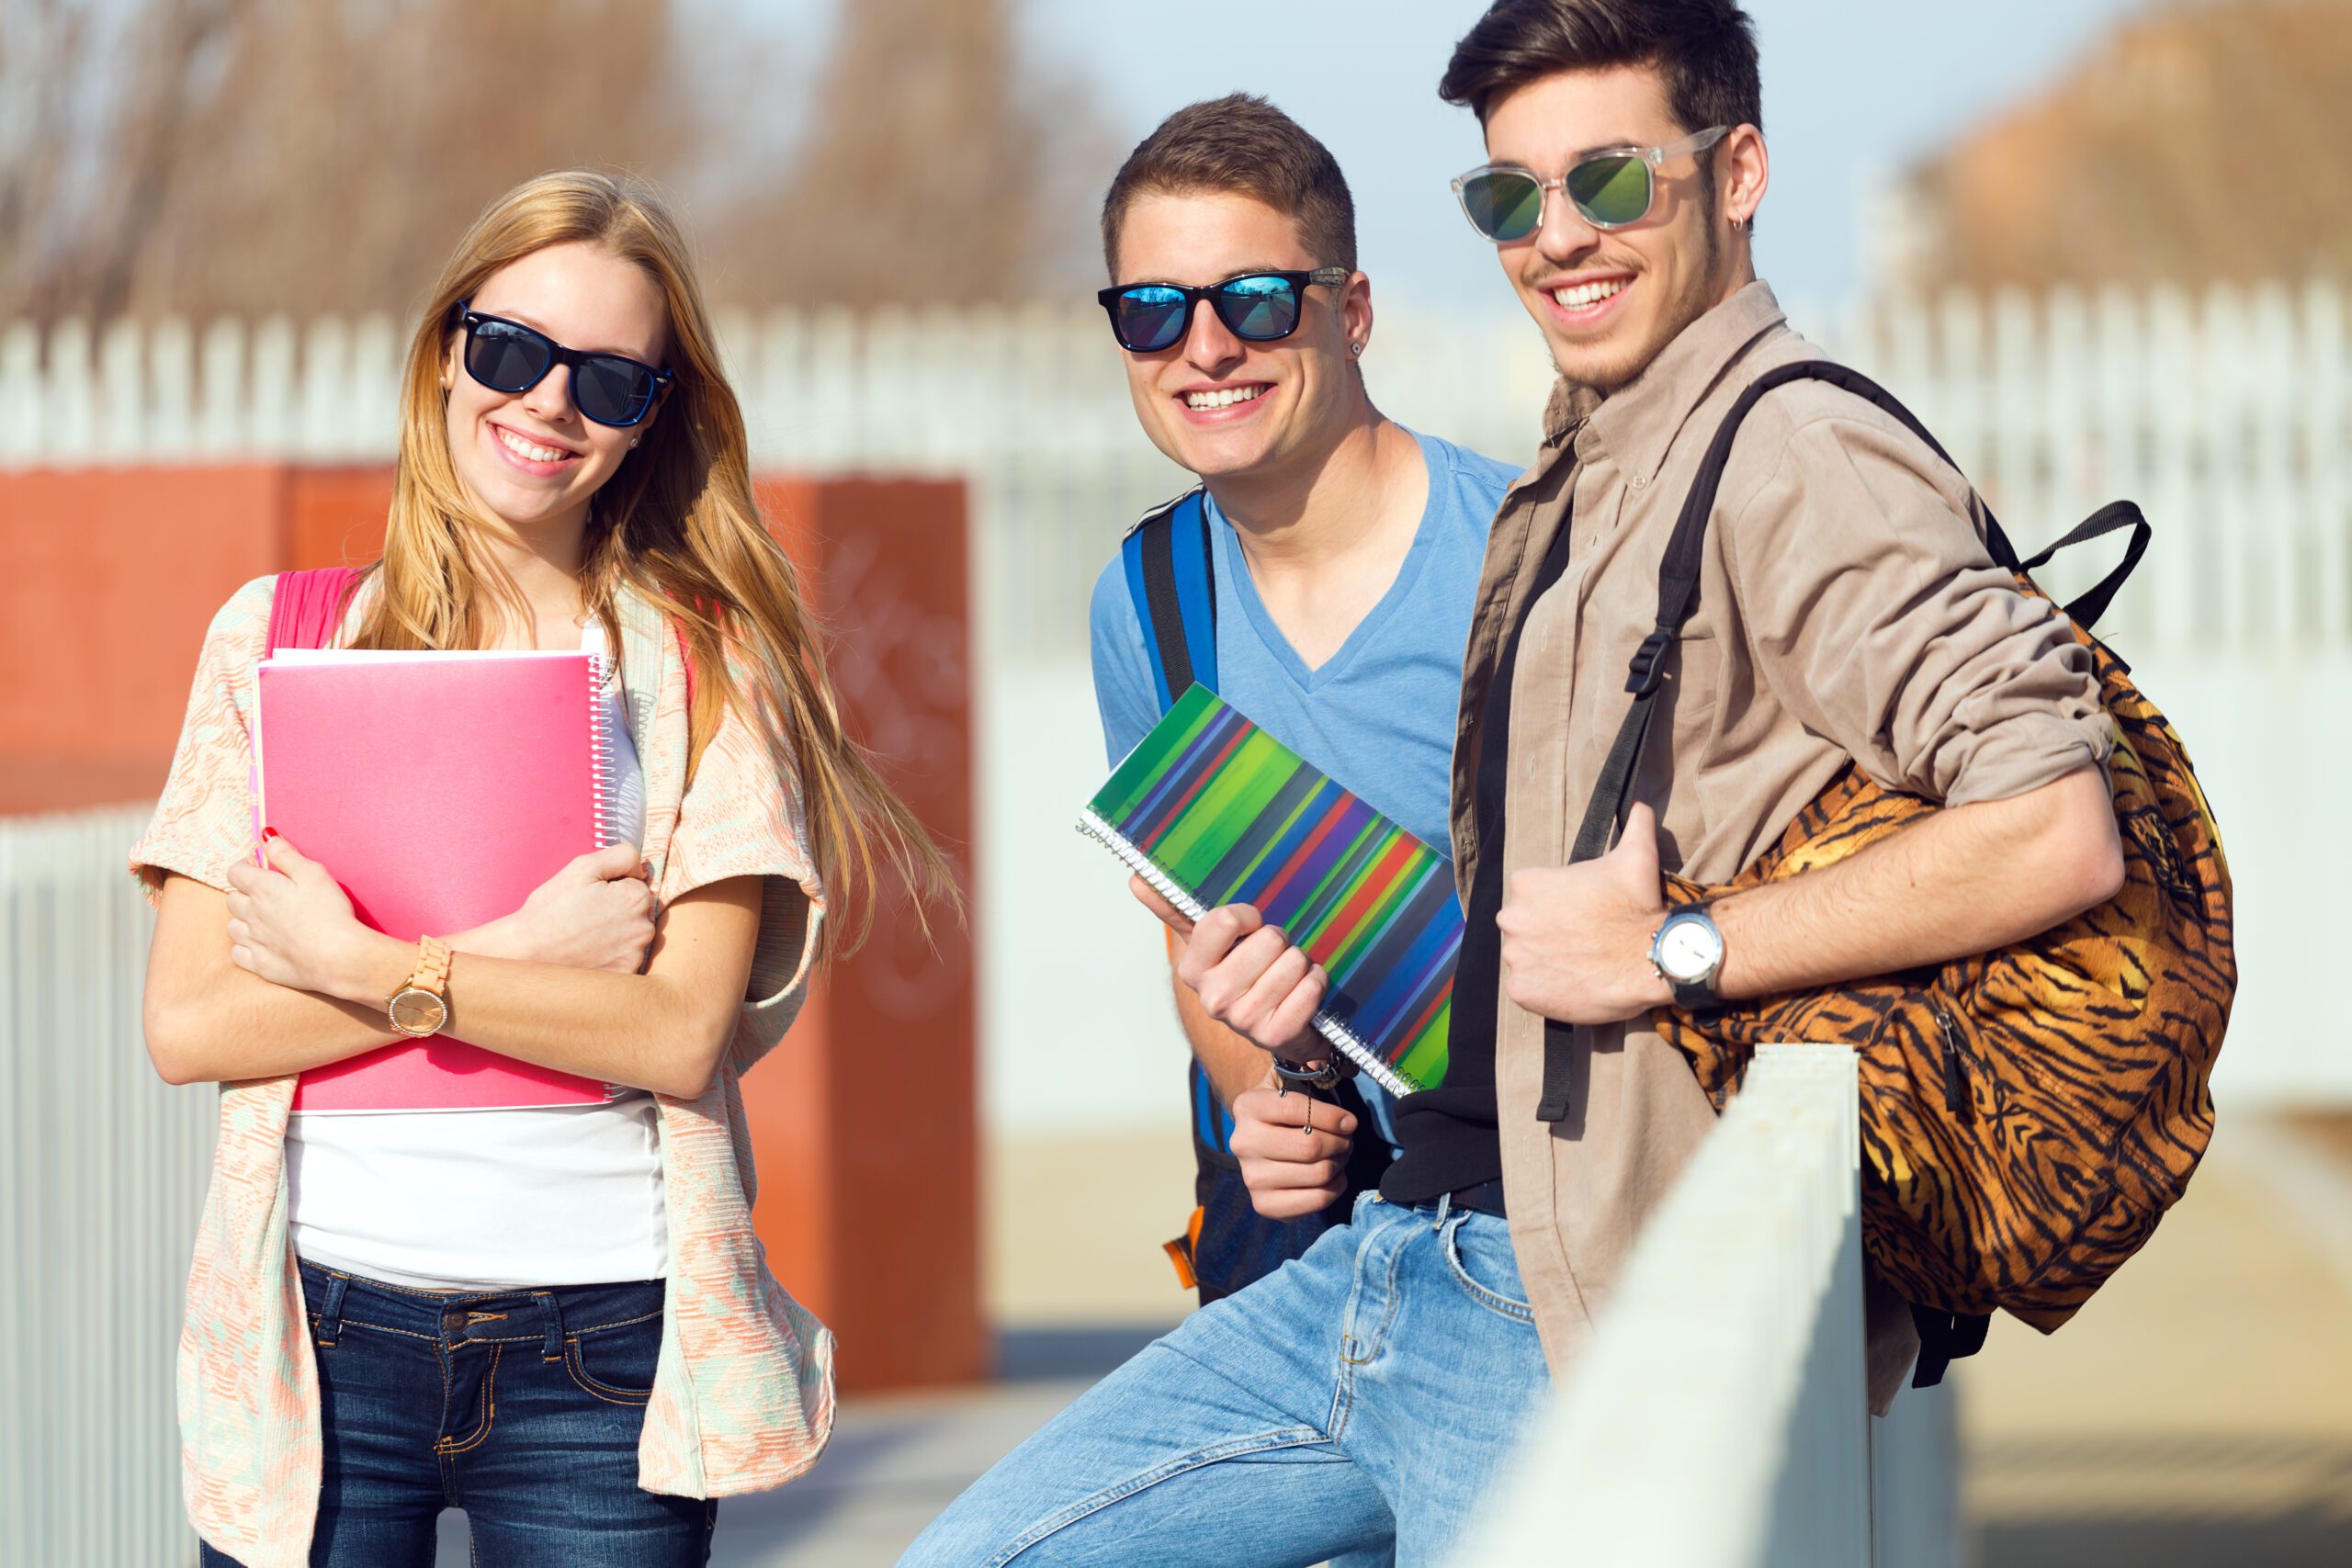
{"points": [[2224, 412], [1718, 1419], [106, 1168], [2227, 413]]}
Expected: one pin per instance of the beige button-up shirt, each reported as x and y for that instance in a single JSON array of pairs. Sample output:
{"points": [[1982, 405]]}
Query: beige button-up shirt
{"points": [[1847, 609]]}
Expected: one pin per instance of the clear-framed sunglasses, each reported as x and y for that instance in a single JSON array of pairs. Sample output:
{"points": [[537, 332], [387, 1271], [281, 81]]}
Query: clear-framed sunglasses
{"points": [[1612, 188]]}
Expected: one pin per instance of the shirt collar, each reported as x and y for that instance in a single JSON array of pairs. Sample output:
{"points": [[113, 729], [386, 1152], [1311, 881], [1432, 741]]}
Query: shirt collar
{"points": [[1637, 423]]}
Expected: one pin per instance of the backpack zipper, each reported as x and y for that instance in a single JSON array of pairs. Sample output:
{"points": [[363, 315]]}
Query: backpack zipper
{"points": [[1955, 1077]]}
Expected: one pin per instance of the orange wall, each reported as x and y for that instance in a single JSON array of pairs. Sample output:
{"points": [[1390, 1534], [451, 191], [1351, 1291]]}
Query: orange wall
{"points": [[111, 576], [865, 1134], [869, 1149]]}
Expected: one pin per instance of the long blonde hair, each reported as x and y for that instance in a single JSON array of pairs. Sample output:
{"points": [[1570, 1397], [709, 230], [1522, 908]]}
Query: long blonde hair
{"points": [[677, 522]]}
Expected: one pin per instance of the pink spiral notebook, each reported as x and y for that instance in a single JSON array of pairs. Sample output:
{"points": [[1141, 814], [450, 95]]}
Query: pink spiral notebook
{"points": [[440, 789]]}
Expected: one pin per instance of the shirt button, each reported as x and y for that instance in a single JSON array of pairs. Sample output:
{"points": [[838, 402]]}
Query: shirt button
{"points": [[1639, 482]]}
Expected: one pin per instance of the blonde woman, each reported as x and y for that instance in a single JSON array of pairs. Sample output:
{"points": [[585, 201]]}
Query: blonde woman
{"points": [[558, 1319]]}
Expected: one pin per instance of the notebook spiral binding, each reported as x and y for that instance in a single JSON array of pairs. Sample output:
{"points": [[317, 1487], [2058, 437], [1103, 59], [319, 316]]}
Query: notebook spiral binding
{"points": [[602, 763], [1329, 1025], [602, 788]]}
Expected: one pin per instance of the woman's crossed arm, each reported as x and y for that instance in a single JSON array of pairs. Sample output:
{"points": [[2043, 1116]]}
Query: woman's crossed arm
{"points": [[278, 976]]}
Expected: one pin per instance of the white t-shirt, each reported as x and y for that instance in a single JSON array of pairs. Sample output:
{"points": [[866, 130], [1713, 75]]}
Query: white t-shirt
{"points": [[457, 1200]]}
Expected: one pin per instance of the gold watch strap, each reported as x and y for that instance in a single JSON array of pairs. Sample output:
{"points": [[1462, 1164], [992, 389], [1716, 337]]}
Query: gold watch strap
{"points": [[432, 971]]}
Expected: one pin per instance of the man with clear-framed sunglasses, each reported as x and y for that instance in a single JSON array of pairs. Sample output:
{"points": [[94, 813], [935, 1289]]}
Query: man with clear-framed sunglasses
{"points": [[1839, 610]]}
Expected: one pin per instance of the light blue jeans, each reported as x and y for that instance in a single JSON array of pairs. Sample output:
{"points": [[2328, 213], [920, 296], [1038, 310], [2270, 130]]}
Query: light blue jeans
{"points": [[1350, 1406]]}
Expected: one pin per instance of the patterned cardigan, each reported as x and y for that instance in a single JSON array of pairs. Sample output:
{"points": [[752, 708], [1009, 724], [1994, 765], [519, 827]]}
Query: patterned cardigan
{"points": [[743, 1396]]}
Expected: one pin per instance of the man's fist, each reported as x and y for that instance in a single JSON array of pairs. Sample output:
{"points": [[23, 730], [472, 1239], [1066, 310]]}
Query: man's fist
{"points": [[1576, 939], [1291, 1171], [1248, 975]]}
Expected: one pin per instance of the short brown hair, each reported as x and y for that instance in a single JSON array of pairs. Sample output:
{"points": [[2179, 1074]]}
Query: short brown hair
{"points": [[1704, 49], [1243, 145]]}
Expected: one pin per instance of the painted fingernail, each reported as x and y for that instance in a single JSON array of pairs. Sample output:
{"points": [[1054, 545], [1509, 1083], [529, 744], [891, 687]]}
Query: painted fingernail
{"points": [[268, 833]]}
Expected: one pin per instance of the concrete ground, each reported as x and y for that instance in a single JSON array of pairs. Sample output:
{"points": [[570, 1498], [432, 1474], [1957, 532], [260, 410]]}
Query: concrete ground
{"points": [[2198, 1411]]}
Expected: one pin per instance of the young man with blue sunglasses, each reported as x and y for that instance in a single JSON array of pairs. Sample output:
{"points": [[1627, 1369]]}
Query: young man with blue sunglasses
{"points": [[1340, 551], [1332, 554]]}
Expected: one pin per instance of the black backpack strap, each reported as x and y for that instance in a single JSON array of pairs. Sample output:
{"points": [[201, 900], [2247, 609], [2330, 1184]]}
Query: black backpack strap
{"points": [[1945, 1337], [1678, 587], [1174, 587], [2087, 607]]}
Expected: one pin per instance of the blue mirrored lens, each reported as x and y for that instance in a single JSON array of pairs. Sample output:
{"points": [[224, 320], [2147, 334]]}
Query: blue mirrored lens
{"points": [[1150, 316], [1259, 308]]}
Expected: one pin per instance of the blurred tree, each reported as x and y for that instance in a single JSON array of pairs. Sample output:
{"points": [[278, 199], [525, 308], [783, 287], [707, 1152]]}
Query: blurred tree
{"points": [[247, 156], [934, 168], [2201, 140]]}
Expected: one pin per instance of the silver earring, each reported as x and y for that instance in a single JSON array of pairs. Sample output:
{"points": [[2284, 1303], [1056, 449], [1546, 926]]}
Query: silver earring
{"points": [[1356, 349], [635, 439]]}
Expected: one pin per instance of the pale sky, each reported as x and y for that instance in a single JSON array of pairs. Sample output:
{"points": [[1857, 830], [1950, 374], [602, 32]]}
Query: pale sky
{"points": [[1851, 89]]}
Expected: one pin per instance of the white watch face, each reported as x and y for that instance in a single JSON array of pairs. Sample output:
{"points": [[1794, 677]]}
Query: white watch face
{"points": [[1688, 950]]}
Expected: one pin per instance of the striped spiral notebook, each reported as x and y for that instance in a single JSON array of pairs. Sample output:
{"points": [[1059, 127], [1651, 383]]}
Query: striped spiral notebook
{"points": [[1212, 810]]}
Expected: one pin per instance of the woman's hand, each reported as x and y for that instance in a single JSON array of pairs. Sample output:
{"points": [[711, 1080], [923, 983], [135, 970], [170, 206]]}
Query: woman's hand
{"points": [[596, 913], [290, 923]]}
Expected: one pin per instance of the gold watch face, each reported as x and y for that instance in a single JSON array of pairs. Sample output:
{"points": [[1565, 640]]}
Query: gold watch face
{"points": [[418, 1011]]}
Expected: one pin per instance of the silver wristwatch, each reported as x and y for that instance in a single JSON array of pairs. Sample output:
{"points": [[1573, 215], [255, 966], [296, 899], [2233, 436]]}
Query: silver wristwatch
{"points": [[1688, 952]]}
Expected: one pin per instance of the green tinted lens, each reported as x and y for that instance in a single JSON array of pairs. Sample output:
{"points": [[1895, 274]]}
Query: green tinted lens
{"points": [[1612, 191], [1502, 204]]}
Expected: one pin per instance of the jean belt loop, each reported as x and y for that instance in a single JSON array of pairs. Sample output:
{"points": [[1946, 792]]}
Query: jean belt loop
{"points": [[553, 1350], [1444, 1207], [330, 1327]]}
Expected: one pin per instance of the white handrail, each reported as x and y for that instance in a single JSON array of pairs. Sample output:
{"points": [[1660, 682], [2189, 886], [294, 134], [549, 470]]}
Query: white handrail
{"points": [[1718, 1419]]}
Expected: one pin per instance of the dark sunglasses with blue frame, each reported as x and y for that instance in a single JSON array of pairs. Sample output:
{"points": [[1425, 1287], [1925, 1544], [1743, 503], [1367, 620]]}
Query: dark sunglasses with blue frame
{"points": [[507, 357], [1257, 307]]}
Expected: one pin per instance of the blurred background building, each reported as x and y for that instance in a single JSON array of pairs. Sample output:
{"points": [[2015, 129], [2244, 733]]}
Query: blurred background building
{"points": [[2100, 245]]}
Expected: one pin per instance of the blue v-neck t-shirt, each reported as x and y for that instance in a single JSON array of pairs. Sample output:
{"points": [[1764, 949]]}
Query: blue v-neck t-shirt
{"points": [[1378, 714]]}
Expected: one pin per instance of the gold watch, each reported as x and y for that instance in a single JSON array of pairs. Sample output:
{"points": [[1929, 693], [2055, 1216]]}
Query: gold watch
{"points": [[421, 1007]]}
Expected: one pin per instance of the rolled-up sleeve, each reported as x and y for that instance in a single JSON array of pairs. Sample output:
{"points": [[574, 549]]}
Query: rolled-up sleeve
{"points": [[1876, 615], [741, 816]]}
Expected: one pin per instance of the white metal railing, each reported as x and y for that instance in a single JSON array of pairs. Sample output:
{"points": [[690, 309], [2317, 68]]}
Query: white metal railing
{"points": [[105, 1166], [1718, 1419], [2227, 413]]}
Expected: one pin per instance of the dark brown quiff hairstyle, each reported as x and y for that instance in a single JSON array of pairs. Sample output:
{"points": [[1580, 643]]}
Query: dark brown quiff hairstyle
{"points": [[1242, 144], [1704, 49]]}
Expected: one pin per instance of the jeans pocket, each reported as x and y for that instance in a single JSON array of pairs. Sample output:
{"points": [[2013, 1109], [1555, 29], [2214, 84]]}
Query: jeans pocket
{"points": [[1489, 1255], [617, 1363]]}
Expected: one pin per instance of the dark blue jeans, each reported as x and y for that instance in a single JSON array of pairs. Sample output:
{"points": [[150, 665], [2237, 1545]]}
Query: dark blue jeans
{"points": [[522, 1407]]}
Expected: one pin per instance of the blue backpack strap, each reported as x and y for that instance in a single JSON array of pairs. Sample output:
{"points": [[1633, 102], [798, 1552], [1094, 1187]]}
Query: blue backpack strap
{"points": [[1174, 590], [1169, 578]]}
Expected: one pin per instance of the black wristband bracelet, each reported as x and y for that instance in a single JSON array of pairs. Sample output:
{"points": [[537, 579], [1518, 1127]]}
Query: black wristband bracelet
{"points": [[1327, 1075]]}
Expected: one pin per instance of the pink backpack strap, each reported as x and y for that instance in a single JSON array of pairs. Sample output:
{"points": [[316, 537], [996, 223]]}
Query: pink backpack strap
{"points": [[307, 609]]}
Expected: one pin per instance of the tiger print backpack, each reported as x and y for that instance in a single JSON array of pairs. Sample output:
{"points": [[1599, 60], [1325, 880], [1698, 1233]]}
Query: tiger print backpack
{"points": [[2030, 1113]]}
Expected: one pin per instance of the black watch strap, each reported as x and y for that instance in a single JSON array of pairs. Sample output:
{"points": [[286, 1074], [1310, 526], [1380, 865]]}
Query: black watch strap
{"points": [[1695, 996]]}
